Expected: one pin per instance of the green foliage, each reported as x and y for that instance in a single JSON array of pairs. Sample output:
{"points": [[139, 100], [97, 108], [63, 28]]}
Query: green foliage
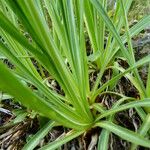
{"points": [[138, 9], [57, 32]]}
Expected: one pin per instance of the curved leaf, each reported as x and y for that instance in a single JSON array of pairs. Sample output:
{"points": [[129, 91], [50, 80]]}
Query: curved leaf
{"points": [[57, 143], [124, 133], [140, 103], [34, 141]]}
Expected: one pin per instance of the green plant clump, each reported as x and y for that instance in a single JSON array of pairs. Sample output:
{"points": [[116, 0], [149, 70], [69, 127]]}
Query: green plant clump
{"points": [[53, 33]]}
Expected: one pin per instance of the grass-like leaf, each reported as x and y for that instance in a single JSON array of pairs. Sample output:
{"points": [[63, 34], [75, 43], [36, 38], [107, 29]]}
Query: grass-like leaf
{"points": [[125, 133], [34, 141]]}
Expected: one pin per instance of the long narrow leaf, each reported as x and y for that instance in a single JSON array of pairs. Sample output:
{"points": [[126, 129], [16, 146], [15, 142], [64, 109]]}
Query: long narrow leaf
{"points": [[34, 141], [56, 144], [125, 133], [141, 103]]}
